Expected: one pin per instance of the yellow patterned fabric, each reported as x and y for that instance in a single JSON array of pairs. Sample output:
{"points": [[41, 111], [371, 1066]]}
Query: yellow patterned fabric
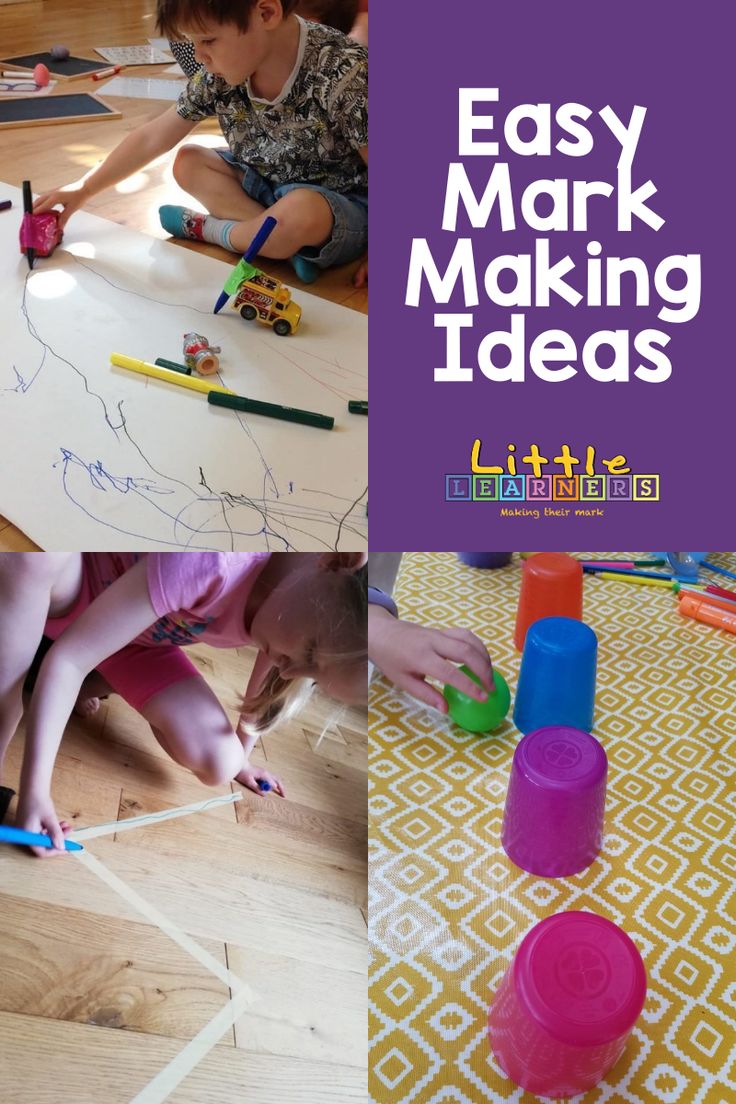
{"points": [[448, 908]]}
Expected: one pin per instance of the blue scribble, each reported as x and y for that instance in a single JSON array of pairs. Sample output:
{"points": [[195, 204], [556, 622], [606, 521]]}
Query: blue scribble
{"points": [[102, 480]]}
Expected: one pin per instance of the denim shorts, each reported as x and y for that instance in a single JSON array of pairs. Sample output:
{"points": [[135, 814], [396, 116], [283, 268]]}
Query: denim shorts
{"points": [[349, 237]]}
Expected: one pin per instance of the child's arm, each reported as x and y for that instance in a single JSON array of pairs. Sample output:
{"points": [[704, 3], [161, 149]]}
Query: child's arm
{"points": [[250, 775], [139, 148], [115, 618], [409, 654]]}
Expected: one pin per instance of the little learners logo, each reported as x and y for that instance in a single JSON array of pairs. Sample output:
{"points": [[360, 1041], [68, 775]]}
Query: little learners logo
{"points": [[564, 478]]}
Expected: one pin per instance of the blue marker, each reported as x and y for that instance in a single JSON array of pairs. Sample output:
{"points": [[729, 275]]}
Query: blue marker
{"points": [[718, 570], [263, 785], [33, 839], [243, 269]]}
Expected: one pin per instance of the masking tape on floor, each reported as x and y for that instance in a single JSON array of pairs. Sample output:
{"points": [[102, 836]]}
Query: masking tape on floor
{"points": [[152, 914], [164, 1083], [179, 1067], [113, 826]]}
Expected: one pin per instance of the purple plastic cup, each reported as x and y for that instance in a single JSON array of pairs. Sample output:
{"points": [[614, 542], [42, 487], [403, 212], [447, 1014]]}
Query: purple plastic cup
{"points": [[553, 820], [485, 559]]}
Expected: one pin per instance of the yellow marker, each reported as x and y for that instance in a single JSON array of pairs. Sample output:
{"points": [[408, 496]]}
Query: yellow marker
{"points": [[166, 374], [638, 579]]}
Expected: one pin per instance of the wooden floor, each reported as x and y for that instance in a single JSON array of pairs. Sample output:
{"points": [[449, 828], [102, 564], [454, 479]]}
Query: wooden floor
{"points": [[95, 999], [51, 156]]}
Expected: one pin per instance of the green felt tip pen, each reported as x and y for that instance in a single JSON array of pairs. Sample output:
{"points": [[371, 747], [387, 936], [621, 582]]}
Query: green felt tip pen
{"points": [[172, 364], [271, 410], [358, 406]]}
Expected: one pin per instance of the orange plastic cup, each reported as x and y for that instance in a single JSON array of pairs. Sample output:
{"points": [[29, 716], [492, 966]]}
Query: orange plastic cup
{"points": [[551, 586]]}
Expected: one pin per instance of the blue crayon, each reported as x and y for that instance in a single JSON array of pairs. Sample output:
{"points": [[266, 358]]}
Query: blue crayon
{"points": [[263, 785], [33, 839]]}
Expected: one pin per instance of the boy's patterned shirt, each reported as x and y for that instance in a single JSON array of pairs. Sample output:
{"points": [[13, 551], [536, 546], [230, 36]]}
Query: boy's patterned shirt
{"points": [[312, 132]]}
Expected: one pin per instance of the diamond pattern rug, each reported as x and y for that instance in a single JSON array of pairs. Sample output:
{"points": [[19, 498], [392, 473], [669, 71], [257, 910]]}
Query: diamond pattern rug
{"points": [[447, 907]]}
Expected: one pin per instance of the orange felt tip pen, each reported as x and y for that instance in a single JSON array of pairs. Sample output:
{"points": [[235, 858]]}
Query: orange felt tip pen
{"points": [[709, 599], [692, 605]]}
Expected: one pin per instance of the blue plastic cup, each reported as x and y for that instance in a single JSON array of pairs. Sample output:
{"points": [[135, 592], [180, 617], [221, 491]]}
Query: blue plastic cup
{"points": [[485, 559], [557, 677]]}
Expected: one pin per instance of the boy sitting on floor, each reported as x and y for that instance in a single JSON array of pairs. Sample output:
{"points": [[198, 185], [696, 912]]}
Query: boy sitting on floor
{"points": [[291, 99]]}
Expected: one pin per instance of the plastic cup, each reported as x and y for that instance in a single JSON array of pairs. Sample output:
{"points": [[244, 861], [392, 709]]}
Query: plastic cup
{"points": [[551, 586], [556, 801], [477, 716], [485, 559], [567, 1004], [557, 676]]}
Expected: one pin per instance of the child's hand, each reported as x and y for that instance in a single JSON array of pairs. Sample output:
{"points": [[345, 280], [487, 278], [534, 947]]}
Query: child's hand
{"points": [[39, 815], [360, 279], [409, 654], [69, 198], [251, 776]]}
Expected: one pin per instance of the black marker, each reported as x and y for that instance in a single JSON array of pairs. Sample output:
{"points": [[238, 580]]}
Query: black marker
{"points": [[28, 209]]}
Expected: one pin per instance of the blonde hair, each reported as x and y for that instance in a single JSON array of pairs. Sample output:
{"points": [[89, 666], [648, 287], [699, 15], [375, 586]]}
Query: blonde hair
{"points": [[279, 699]]}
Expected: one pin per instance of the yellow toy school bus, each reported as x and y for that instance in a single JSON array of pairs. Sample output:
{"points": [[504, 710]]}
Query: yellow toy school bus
{"points": [[267, 299]]}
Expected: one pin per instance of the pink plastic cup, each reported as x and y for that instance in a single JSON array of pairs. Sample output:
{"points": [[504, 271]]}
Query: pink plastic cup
{"points": [[567, 1004], [553, 819]]}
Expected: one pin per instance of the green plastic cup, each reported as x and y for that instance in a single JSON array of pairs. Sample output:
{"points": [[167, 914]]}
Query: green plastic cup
{"points": [[479, 716]]}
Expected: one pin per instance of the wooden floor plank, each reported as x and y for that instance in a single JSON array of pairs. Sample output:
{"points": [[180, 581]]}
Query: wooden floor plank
{"points": [[207, 901], [334, 746], [65, 1063], [61, 963], [304, 1010], [331, 870], [316, 781]]}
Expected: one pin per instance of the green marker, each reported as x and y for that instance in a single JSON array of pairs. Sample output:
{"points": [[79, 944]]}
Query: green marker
{"points": [[173, 366], [358, 406], [270, 410]]}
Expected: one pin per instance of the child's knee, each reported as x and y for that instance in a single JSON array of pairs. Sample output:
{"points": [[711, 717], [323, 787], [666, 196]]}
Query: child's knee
{"points": [[221, 763], [29, 567], [307, 213], [187, 161]]}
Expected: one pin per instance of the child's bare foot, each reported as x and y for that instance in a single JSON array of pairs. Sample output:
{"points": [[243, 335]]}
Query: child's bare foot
{"points": [[86, 706], [94, 690]]}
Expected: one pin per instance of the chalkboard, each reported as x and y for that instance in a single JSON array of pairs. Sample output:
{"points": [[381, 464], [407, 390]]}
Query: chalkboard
{"points": [[70, 67], [54, 109]]}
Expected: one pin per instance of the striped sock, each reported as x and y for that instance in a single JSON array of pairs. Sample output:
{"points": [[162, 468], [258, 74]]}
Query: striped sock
{"points": [[180, 222]]}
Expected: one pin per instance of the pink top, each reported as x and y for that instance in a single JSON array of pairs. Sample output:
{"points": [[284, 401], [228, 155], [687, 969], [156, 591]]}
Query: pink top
{"points": [[201, 596], [197, 596]]}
